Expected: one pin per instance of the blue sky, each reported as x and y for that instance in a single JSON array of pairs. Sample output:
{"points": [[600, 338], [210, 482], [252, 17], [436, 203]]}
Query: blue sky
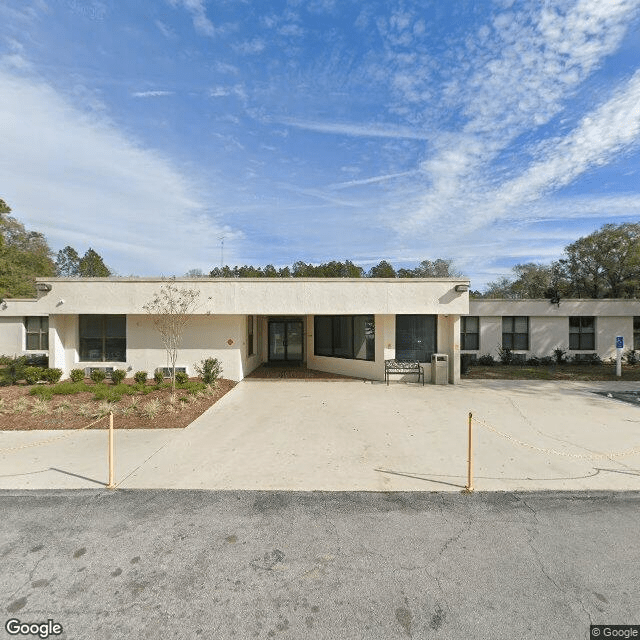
{"points": [[492, 133]]}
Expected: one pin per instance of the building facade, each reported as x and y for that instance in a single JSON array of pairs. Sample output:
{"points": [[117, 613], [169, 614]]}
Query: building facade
{"points": [[537, 327], [345, 326]]}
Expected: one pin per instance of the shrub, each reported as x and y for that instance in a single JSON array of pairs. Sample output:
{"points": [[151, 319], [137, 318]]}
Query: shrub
{"points": [[560, 355], [182, 377], [533, 361], [13, 371], [631, 357], [193, 386], [118, 375], [52, 376], [209, 370], [506, 355], [76, 375], [545, 361], [140, 377], [487, 360], [158, 377], [32, 374], [595, 359], [98, 376]]}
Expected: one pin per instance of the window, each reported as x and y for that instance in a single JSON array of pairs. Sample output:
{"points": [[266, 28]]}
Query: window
{"points": [[416, 337], [582, 332], [469, 332], [515, 333], [350, 337], [249, 335], [636, 332], [37, 330], [103, 338]]}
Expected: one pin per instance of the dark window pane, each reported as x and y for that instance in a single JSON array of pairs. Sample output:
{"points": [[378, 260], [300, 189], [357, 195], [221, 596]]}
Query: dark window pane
{"points": [[521, 341], [33, 324], [636, 341], [471, 324], [471, 341], [416, 337], [507, 324], [322, 336], [636, 323], [44, 340], [115, 326], [116, 350], [574, 341], [507, 340], [587, 341], [359, 338], [521, 324], [587, 323], [91, 349], [343, 336], [574, 323], [33, 341]]}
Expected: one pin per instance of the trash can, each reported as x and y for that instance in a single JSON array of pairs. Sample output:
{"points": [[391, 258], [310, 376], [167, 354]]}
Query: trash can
{"points": [[440, 368]]}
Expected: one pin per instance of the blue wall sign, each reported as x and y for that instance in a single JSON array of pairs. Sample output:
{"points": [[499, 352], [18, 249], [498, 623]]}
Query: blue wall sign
{"points": [[619, 342]]}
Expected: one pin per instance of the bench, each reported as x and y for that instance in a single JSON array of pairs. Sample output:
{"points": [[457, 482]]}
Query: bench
{"points": [[403, 367]]}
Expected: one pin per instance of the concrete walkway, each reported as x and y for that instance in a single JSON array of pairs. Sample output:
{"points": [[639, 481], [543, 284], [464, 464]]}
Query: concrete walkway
{"points": [[358, 436]]}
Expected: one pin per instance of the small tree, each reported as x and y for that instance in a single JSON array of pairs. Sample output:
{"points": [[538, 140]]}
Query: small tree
{"points": [[171, 309]]}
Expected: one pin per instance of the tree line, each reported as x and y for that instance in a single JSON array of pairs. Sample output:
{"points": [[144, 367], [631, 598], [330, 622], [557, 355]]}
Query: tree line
{"points": [[439, 268], [25, 256], [604, 264]]}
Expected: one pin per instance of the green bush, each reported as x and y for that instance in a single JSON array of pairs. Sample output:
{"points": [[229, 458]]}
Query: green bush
{"points": [[560, 355], [181, 377], [631, 357], [487, 360], [76, 375], [52, 376], [31, 375], [209, 370], [545, 361], [193, 386], [506, 355], [158, 377], [98, 376], [533, 361], [140, 377], [13, 371], [118, 375]]}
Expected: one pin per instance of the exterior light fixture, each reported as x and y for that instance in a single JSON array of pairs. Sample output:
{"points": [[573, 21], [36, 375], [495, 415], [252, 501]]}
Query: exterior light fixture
{"points": [[461, 288]]}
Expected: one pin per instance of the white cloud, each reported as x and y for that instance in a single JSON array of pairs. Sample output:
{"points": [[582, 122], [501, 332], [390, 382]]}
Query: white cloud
{"points": [[151, 94], [81, 181], [373, 130], [197, 9]]}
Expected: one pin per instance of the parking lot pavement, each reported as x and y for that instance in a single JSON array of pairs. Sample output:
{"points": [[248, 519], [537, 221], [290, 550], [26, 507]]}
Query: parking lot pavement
{"points": [[353, 435], [209, 564]]}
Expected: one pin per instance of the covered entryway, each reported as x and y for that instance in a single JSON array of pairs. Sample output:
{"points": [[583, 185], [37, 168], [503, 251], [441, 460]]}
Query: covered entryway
{"points": [[285, 341]]}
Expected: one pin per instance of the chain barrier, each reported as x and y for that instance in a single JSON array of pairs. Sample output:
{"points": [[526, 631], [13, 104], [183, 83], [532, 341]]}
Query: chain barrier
{"points": [[54, 439], [597, 456]]}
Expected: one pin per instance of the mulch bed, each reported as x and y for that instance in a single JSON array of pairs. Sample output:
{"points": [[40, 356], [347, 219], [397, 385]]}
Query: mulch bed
{"points": [[175, 415], [295, 373]]}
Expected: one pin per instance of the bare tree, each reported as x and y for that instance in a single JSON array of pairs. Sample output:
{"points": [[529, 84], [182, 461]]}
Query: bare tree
{"points": [[171, 309]]}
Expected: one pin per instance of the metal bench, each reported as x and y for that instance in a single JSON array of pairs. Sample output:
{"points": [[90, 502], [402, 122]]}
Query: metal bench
{"points": [[403, 367]]}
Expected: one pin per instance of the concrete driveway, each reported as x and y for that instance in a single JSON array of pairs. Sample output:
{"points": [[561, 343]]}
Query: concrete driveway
{"points": [[359, 436]]}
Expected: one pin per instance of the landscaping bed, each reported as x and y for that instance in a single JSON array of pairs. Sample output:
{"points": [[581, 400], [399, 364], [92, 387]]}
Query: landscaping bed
{"points": [[147, 406], [575, 372]]}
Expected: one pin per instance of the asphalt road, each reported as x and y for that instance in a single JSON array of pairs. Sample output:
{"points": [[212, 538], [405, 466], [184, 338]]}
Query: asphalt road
{"points": [[202, 564]]}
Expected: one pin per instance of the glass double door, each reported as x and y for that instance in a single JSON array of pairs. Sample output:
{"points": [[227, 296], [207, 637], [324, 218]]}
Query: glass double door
{"points": [[285, 340]]}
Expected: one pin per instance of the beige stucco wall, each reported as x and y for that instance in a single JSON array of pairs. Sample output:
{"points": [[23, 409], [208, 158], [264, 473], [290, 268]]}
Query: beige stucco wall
{"points": [[549, 324], [264, 296], [12, 336]]}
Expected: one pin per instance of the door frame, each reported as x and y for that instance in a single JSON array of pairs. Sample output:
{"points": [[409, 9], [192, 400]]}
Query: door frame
{"points": [[285, 321]]}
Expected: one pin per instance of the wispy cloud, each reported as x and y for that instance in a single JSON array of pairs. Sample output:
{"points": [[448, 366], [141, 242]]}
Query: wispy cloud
{"points": [[198, 11], [94, 182], [373, 130], [151, 94], [373, 180]]}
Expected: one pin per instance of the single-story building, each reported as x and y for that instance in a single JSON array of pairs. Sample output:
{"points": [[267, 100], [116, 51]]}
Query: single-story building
{"points": [[529, 328], [338, 325]]}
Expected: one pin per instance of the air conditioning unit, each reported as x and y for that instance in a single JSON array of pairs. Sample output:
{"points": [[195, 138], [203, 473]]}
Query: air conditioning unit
{"points": [[107, 371], [166, 371]]}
